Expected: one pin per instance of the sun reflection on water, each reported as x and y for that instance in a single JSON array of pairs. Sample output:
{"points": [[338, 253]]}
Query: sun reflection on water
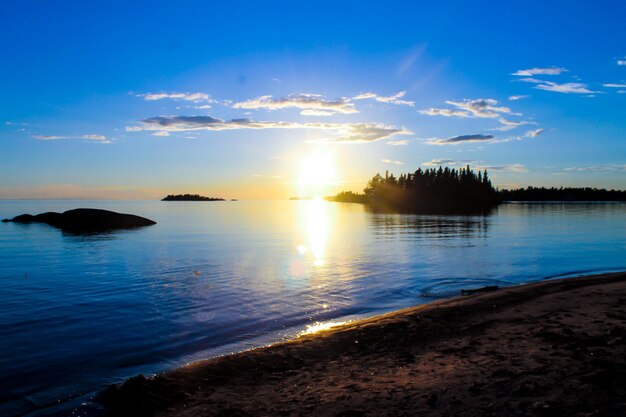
{"points": [[321, 326], [315, 222]]}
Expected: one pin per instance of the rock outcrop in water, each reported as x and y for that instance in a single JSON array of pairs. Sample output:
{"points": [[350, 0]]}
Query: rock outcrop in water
{"points": [[85, 220]]}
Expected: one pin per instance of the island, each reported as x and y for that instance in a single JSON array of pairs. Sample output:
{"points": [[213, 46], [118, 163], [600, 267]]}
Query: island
{"points": [[463, 191], [430, 191], [84, 220], [190, 197]]}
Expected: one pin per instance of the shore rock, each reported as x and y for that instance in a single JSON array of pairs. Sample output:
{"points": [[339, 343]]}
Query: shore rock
{"points": [[84, 220]]}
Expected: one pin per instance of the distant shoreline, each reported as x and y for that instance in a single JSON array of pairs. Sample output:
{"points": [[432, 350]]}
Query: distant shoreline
{"points": [[548, 347]]}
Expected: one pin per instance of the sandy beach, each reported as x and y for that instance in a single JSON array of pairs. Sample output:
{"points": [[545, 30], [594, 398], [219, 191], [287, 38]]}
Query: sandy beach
{"points": [[552, 348]]}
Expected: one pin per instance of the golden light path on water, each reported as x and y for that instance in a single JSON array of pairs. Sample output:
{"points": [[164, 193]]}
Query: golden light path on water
{"points": [[321, 326], [316, 223]]}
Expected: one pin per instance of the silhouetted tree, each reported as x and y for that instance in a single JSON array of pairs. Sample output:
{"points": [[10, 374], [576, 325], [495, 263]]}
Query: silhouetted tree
{"points": [[429, 191]]}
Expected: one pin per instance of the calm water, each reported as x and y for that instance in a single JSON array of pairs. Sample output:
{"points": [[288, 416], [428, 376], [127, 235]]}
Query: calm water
{"points": [[80, 312]]}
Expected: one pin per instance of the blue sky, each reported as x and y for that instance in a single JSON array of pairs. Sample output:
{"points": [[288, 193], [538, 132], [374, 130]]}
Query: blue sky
{"points": [[276, 99]]}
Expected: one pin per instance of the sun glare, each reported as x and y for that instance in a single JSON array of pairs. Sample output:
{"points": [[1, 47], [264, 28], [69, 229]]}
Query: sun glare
{"points": [[317, 174]]}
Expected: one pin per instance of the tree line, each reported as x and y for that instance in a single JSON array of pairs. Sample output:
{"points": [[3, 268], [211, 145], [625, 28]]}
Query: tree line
{"points": [[442, 190], [445, 190], [562, 194], [189, 197]]}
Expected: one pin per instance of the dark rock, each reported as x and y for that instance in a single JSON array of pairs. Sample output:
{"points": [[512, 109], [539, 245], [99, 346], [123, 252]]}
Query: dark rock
{"points": [[84, 220]]}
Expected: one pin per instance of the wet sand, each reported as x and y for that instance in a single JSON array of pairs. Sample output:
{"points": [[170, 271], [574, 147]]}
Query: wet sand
{"points": [[553, 348]]}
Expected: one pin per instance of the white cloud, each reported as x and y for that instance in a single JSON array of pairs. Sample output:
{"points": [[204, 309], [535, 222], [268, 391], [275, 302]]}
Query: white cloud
{"points": [[195, 97], [482, 107], [509, 125], [540, 71], [91, 137], [398, 142], [614, 85], [515, 98], [476, 165], [363, 96], [50, 137], [566, 88], [358, 132], [452, 162], [310, 102], [445, 112], [455, 140], [393, 99], [533, 133], [343, 132], [529, 80], [389, 161], [312, 112], [621, 61], [161, 133], [504, 168], [600, 168]]}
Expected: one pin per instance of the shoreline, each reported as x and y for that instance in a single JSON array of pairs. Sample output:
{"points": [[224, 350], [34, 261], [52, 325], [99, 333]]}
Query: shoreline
{"points": [[554, 347]]}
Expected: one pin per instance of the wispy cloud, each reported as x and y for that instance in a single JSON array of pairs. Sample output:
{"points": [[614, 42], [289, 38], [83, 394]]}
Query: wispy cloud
{"points": [[312, 112], [398, 142], [444, 112], [515, 98], [390, 161], [476, 164], [597, 168], [610, 85], [393, 99], [510, 125], [311, 104], [451, 162], [482, 107], [194, 97], [90, 137], [540, 71], [478, 108], [359, 132], [504, 168], [533, 133], [455, 140], [343, 132], [621, 61], [566, 88]]}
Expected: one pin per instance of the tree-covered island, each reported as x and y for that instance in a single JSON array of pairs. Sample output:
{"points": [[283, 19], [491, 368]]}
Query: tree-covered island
{"points": [[462, 191], [442, 190], [190, 197]]}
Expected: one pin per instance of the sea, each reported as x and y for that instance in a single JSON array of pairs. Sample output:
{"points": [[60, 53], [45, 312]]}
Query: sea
{"points": [[80, 312]]}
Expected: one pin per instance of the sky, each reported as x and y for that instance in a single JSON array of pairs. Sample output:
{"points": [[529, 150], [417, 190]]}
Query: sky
{"points": [[264, 100]]}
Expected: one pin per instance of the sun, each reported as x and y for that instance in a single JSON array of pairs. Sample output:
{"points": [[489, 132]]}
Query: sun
{"points": [[317, 173]]}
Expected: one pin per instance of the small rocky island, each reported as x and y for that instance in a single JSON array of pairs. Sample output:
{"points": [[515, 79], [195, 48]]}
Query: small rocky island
{"points": [[85, 220], [190, 197]]}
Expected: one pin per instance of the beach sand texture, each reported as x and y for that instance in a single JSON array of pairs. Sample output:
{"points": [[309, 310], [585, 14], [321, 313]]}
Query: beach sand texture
{"points": [[552, 348]]}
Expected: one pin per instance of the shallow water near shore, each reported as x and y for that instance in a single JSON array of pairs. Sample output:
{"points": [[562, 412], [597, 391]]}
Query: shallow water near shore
{"points": [[79, 312]]}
